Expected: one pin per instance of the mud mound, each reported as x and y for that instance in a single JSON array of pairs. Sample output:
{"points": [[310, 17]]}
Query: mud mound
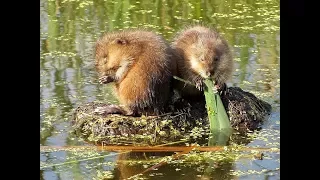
{"points": [[187, 120]]}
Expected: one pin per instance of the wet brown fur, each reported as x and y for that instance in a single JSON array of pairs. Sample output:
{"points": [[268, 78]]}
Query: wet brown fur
{"points": [[197, 47], [141, 65]]}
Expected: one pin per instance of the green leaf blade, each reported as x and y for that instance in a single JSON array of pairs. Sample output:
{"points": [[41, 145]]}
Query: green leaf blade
{"points": [[217, 114]]}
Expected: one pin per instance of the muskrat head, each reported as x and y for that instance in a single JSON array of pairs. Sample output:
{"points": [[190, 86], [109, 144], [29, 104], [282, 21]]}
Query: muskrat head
{"points": [[114, 55], [210, 57]]}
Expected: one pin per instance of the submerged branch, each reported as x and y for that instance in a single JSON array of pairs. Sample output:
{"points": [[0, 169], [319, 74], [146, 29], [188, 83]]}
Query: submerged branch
{"points": [[164, 162], [77, 161]]}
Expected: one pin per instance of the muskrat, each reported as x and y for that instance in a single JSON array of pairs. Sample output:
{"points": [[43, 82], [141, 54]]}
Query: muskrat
{"points": [[140, 64], [203, 53]]}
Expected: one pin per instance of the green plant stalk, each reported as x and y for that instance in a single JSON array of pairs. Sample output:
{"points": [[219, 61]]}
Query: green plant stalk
{"points": [[211, 105], [217, 115]]}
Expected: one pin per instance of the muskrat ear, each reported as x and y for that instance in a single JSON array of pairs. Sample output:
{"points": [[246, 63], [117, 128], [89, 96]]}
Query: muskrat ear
{"points": [[121, 41]]}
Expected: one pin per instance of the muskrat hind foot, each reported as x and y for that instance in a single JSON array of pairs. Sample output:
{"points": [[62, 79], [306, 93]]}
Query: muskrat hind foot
{"points": [[109, 109], [115, 109]]}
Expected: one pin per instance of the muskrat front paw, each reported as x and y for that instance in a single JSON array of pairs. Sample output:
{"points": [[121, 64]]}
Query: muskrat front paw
{"points": [[105, 79], [219, 86], [199, 85]]}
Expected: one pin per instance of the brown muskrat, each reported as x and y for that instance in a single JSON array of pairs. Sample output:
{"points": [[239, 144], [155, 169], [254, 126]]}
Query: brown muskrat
{"points": [[203, 53], [140, 64]]}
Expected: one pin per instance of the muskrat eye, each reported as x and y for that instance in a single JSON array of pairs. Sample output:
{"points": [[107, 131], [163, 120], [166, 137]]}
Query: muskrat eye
{"points": [[216, 58]]}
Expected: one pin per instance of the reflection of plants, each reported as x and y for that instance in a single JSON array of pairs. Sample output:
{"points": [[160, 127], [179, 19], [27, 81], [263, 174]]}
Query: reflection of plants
{"points": [[48, 120], [210, 163]]}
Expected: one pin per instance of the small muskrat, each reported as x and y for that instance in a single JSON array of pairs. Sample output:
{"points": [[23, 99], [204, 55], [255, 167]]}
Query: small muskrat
{"points": [[141, 65], [203, 54]]}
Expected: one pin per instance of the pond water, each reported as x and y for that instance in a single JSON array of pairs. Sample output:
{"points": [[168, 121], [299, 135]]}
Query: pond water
{"points": [[68, 31]]}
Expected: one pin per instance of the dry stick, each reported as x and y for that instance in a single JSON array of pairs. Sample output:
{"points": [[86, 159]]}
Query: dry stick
{"points": [[157, 148], [43, 148]]}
